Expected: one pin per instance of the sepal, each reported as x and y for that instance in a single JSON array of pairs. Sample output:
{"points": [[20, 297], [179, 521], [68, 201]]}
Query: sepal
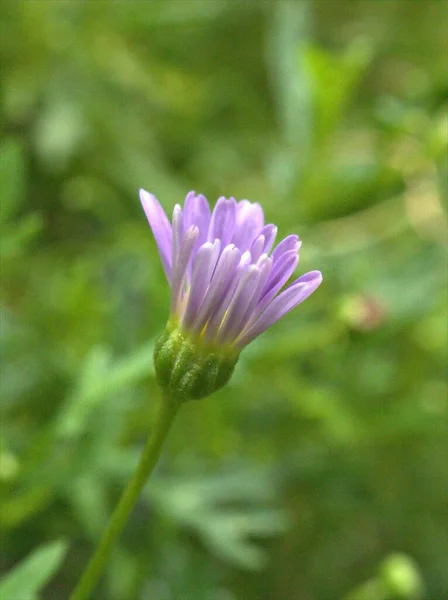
{"points": [[187, 369]]}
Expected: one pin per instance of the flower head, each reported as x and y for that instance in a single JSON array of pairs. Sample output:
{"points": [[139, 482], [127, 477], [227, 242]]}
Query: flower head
{"points": [[226, 283]]}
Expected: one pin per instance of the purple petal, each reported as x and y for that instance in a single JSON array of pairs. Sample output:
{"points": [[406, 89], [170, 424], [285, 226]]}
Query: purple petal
{"points": [[291, 242], [264, 266], [222, 277], [257, 248], [180, 268], [203, 268], [161, 229], [238, 306], [178, 232], [279, 275], [222, 303], [222, 221], [270, 233], [282, 270], [248, 225], [296, 293], [197, 212]]}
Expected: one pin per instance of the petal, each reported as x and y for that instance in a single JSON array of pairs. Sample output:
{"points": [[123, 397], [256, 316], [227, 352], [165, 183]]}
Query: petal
{"points": [[197, 212], [203, 268], [291, 242], [257, 248], [270, 233], [241, 316], [281, 271], [161, 229], [222, 305], [238, 306], [265, 265], [279, 275], [295, 294], [222, 277], [223, 301], [222, 221], [248, 225], [180, 269], [178, 232]]}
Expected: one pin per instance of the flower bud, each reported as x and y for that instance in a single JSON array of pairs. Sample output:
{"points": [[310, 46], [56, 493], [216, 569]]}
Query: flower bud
{"points": [[187, 369], [227, 287], [401, 577]]}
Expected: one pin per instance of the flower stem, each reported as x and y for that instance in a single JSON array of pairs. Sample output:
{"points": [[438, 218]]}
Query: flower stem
{"points": [[148, 460]]}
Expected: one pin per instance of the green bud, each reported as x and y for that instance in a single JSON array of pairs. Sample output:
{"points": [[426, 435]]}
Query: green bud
{"points": [[187, 369], [401, 577]]}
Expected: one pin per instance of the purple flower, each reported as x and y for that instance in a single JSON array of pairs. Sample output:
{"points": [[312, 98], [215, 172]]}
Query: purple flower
{"points": [[226, 284]]}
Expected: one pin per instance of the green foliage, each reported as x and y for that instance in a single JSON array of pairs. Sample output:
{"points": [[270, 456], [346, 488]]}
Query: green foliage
{"points": [[325, 455], [227, 512], [30, 576]]}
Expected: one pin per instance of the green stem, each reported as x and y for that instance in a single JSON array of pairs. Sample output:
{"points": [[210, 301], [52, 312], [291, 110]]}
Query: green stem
{"points": [[127, 501]]}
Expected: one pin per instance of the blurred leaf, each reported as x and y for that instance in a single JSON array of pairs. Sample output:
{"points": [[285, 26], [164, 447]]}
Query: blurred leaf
{"points": [[22, 505], [230, 534], [16, 237], [59, 133], [99, 379], [33, 573], [289, 37], [287, 44], [12, 177], [89, 500], [227, 513], [333, 80]]}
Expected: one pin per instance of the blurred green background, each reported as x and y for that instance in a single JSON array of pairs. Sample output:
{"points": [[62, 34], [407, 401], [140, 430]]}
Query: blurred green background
{"points": [[319, 473]]}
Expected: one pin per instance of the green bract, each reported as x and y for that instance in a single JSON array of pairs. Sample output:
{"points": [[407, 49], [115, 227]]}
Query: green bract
{"points": [[187, 369]]}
